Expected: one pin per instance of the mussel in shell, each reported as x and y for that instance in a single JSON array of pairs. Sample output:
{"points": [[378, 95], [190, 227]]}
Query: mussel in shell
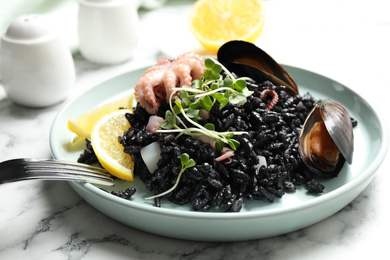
{"points": [[246, 59], [326, 139]]}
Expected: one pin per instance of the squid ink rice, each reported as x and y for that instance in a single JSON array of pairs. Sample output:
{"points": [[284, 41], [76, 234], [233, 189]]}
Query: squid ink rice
{"points": [[272, 134]]}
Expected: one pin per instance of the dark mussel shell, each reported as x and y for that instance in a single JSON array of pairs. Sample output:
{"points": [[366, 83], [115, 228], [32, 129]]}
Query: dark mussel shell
{"points": [[337, 122], [246, 59]]}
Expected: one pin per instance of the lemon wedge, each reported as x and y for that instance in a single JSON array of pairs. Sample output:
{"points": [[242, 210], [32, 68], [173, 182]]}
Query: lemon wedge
{"points": [[214, 22], [108, 150], [82, 126]]}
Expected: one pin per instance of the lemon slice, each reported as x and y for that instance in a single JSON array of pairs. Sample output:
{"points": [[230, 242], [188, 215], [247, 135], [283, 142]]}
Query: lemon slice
{"points": [[108, 150], [214, 22], [82, 126]]}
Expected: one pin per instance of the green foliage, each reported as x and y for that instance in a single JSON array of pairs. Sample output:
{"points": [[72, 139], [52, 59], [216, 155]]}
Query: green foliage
{"points": [[186, 162], [204, 94]]}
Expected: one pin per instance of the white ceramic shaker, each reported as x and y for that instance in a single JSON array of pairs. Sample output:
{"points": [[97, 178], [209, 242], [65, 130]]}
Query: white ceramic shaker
{"points": [[37, 67], [108, 30]]}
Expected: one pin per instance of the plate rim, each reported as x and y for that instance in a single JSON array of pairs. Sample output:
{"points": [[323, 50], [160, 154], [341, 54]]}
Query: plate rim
{"points": [[367, 174]]}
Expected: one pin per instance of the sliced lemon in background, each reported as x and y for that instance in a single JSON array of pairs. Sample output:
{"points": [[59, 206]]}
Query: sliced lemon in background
{"points": [[82, 126], [214, 22], [108, 150]]}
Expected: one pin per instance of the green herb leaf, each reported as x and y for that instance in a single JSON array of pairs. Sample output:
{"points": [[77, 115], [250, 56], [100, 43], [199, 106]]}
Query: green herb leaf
{"points": [[189, 164], [237, 143], [196, 104], [228, 82], [170, 117], [193, 113], [237, 98], [214, 76], [210, 126], [184, 158], [207, 103], [207, 74], [196, 83], [246, 92], [240, 84], [216, 69], [233, 144], [229, 135], [186, 163], [221, 98], [214, 86], [209, 63], [183, 94], [219, 145], [185, 102], [177, 110], [166, 125]]}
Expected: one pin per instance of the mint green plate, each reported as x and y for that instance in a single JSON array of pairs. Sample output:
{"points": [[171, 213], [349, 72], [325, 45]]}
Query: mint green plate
{"points": [[257, 219]]}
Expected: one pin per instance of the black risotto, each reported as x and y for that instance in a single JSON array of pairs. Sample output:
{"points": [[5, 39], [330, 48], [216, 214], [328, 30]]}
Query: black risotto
{"points": [[219, 185]]}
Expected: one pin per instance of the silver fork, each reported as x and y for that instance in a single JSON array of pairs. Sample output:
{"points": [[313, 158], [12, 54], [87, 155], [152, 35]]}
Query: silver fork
{"points": [[50, 169]]}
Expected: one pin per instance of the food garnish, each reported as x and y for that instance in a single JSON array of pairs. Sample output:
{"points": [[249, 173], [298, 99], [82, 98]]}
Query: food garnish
{"points": [[203, 94], [104, 139], [186, 162], [82, 126]]}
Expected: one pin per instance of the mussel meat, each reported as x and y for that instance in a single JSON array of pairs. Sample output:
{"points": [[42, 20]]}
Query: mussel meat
{"points": [[326, 139], [246, 59]]}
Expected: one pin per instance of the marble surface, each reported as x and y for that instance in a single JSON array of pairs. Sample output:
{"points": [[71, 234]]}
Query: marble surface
{"points": [[346, 40]]}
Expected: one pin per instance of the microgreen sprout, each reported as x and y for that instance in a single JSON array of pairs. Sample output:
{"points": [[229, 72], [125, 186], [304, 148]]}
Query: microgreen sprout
{"points": [[186, 162], [203, 94]]}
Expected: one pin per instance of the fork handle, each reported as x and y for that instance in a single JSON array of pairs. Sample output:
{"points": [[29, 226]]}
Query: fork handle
{"points": [[10, 173]]}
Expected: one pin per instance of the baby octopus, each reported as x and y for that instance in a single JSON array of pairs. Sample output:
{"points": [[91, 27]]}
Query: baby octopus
{"points": [[274, 96], [157, 83]]}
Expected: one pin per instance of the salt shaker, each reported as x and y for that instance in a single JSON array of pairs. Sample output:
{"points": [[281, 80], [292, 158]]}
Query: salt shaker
{"points": [[108, 30], [37, 67]]}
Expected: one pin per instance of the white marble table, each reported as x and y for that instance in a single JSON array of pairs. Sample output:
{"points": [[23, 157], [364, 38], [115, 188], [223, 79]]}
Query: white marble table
{"points": [[347, 40]]}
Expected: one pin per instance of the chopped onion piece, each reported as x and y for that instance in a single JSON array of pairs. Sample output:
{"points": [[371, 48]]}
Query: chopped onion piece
{"points": [[151, 154], [262, 162]]}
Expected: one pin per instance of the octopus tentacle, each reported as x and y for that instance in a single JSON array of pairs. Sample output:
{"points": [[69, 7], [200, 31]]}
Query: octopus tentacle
{"points": [[190, 55], [194, 61], [183, 73], [170, 82], [158, 81], [147, 85], [156, 68], [227, 153], [196, 67], [163, 61], [274, 100]]}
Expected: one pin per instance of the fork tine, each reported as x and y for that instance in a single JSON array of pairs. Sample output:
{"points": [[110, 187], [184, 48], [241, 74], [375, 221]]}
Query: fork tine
{"points": [[53, 164], [68, 177], [69, 171], [66, 170]]}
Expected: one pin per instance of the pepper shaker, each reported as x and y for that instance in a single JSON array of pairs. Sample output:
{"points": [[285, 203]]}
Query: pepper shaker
{"points": [[37, 67], [108, 30]]}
